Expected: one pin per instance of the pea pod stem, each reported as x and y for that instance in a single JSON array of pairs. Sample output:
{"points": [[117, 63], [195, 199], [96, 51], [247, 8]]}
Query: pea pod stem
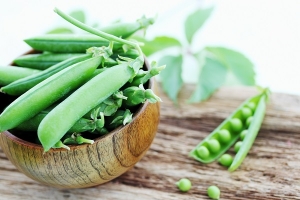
{"points": [[251, 134]]}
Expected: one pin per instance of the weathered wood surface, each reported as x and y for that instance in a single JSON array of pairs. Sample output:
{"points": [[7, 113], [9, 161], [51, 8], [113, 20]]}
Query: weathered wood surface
{"points": [[270, 171]]}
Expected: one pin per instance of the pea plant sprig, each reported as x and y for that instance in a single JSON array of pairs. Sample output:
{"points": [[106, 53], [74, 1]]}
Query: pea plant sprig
{"points": [[217, 65]]}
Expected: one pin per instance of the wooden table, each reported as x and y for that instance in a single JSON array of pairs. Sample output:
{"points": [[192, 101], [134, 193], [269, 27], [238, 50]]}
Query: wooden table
{"points": [[270, 171]]}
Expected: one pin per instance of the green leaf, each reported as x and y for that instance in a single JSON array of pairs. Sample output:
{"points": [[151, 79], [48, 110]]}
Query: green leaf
{"points": [[157, 44], [211, 77], [195, 21], [79, 15], [171, 76], [60, 30], [240, 66]]}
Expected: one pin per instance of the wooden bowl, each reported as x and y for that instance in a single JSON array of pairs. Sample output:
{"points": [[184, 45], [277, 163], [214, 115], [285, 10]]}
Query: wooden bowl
{"points": [[86, 165]]}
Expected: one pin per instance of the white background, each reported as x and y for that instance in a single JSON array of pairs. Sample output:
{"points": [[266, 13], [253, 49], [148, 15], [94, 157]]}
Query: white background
{"points": [[267, 32]]}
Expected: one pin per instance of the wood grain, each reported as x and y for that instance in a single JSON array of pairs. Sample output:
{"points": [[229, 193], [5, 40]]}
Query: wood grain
{"points": [[270, 171]]}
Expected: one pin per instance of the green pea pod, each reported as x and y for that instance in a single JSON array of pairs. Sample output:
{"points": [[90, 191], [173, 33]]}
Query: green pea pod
{"points": [[68, 43], [121, 117], [225, 135], [137, 95], [59, 145], [109, 106], [43, 61], [125, 30], [9, 74], [131, 53], [77, 139], [81, 125], [22, 85], [46, 93], [253, 130], [52, 128], [143, 76]]}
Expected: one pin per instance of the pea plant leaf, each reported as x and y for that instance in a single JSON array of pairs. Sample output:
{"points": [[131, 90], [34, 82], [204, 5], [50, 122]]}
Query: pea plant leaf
{"points": [[171, 76], [238, 64], [157, 44], [79, 15], [212, 75], [194, 22], [60, 30]]}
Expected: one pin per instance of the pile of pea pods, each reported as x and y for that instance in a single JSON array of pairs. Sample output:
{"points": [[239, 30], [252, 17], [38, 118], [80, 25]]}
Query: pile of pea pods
{"points": [[73, 88], [239, 130]]}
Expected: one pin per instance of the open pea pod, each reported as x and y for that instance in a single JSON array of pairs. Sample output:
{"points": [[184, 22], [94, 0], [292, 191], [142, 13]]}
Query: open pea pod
{"points": [[227, 133], [253, 126]]}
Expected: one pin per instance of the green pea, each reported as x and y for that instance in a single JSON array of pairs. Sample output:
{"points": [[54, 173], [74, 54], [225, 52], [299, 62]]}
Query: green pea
{"points": [[214, 145], [202, 152], [237, 146], [248, 121], [236, 124], [184, 184], [251, 105], [243, 134], [225, 160], [213, 192], [224, 135], [246, 112]]}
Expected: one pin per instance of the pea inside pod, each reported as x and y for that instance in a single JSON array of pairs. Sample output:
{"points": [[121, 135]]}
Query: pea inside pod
{"points": [[226, 134]]}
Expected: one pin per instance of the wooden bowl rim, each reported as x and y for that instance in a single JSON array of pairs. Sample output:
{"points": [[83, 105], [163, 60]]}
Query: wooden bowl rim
{"points": [[139, 111]]}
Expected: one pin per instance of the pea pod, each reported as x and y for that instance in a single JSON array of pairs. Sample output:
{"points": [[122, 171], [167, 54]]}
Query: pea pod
{"points": [[76, 138], [137, 95], [67, 43], [47, 92], [125, 30], [9, 74], [143, 76], [226, 134], [52, 128], [121, 117], [251, 134], [130, 53], [81, 125], [109, 106], [20, 86], [43, 61]]}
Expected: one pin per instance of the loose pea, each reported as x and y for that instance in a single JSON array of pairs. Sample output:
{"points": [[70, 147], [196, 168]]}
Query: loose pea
{"points": [[246, 112], [243, 134], [214, 145], [226, 160], [224, 135], [236, 124], [251, 105], [213, 192], [184, 184], [202, 152], [248, 121], [237, 146]]}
